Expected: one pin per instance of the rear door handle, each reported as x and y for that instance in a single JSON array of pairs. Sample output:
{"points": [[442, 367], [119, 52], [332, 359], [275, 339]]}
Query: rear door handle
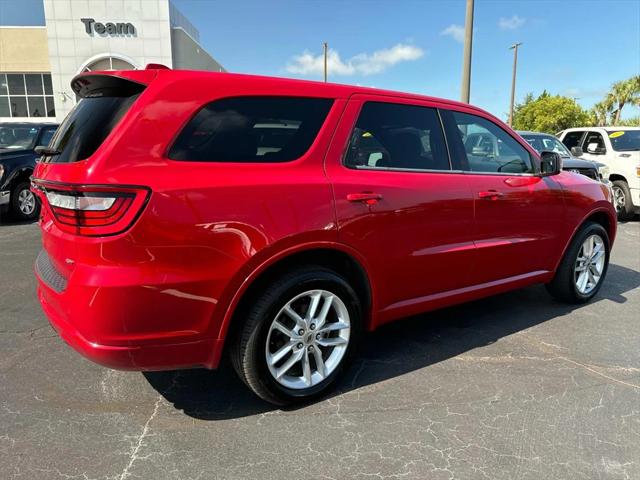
{"points": [[490, 194], [368, 198]]}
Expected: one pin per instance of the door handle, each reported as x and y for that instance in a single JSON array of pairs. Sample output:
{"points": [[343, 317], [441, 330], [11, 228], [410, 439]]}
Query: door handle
{"points": [[368, 198], [491, 194]]}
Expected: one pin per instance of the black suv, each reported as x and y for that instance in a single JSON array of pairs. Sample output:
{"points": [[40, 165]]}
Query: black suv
{"points": [[18, 142]]}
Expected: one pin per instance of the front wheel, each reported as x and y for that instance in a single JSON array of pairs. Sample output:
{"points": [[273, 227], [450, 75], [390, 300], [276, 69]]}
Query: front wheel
{"points": [[583, 267], [622, 200], [298, 335]]}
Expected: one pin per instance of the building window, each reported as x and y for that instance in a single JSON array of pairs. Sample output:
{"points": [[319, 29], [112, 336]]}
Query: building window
{"points": [[26, 95], [108, 63]]}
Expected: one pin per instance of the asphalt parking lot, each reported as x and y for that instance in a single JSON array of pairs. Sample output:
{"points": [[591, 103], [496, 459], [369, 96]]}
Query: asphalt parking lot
{"points": [[513, 387]]}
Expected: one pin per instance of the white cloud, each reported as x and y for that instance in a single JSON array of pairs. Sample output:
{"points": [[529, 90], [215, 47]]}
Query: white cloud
{"points": [[363, 63], [454, 31], [511, 23]]}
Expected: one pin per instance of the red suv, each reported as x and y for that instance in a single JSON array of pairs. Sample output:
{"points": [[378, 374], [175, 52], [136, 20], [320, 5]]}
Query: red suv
{"points": [[190, 213]]}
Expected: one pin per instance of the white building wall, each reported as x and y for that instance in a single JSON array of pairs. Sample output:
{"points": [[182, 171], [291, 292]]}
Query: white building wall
{"points": [[71, 47]]}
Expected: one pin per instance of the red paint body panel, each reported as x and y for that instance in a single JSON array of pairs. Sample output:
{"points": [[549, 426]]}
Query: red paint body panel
{"points": [[161, 295]]}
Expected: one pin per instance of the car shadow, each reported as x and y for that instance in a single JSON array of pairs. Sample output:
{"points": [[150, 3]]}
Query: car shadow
{"points": [[393, 350]]}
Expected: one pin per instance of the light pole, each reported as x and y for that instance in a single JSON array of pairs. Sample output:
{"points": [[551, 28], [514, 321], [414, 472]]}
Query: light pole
{"points": [[513, 47], [325, 48], [465, 88]]}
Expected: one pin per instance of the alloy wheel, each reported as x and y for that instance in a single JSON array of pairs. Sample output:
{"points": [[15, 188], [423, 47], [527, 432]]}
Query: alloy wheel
{"points": [[619, 198], [26, 202], [589, 264], [308, 339]]}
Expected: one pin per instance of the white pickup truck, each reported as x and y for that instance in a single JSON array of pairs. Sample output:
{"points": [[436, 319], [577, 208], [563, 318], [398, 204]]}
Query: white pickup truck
{"points": [[619, 149]]}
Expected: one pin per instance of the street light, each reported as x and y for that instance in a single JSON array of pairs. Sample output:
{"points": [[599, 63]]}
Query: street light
{"points": [[513, 47], [325, 48], [465, 88]]}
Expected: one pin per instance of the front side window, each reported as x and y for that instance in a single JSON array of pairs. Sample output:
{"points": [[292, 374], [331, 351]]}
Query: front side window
{"points": [[388, 135], [572, 139], [594, 143], [252, 129], [488, 148]]}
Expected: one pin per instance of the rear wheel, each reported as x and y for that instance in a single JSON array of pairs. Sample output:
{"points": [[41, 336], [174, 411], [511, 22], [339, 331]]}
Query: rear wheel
{"points": [[622, 200], [24, 204], [584, 266], [298, 335]]}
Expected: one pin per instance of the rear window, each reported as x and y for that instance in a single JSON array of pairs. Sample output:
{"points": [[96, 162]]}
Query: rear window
{"points": [[252, 129], [86, 127]]}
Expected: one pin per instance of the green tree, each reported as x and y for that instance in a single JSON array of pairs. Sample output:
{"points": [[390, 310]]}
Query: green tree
{"points": [[549, 113], [609, 110], [600, 113], [630, 122]]}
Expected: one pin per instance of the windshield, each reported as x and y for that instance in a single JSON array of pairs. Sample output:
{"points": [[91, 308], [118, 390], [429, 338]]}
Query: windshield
{"points": [[548, 143], [18, 137], [625, 140]]}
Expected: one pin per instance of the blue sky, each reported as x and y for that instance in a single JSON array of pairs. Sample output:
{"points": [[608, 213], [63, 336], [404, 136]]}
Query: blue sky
{"points": [[574, 48]]}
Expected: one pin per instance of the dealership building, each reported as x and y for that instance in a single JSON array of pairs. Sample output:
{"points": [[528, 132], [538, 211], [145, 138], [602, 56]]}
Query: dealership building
{"points": [[38, 63]]}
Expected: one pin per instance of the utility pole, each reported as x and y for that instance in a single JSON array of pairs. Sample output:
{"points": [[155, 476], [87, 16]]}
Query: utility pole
{"points": [[465, 89], [513, 47], [325, 48]]}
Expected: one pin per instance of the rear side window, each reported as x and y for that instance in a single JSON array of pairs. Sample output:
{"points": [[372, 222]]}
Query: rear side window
{"points": [[397, 136], [86, 127], [252, 129]]}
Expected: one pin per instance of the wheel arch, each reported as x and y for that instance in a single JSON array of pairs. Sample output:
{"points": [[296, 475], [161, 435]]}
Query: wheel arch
{"points": [[338, 257], [602, 216], [616, 176], [18, 175]]}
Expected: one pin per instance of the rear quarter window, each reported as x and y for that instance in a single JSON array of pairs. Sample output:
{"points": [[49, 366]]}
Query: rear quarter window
{"points": [[252, 129]]}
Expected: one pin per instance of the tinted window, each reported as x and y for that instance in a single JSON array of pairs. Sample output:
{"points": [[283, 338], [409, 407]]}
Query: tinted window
{"points": [[86, 127], [625, 140], [46, 137], [252, 129], [572, 139], [390, 135], [488, 148]]}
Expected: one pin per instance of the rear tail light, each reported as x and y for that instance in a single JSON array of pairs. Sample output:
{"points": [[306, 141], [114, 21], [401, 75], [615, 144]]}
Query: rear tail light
{"points": [[93, 210]]}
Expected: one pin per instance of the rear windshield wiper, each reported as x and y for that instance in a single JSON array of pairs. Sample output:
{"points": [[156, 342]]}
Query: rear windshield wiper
{"points": [[47, 151]]}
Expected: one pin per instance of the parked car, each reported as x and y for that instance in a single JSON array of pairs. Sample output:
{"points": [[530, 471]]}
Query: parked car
{"points": [[544, 141], [180, 221], [17, 161], [619, 149]]}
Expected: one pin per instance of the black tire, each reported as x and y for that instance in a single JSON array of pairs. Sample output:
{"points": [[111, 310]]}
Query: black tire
{"points": [[15, 203], [248, 348], [563, 286], [625, 211]]}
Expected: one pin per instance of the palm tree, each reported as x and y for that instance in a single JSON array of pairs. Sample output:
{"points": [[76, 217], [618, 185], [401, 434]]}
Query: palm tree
{"points": [[622, 93], [600, 112]]}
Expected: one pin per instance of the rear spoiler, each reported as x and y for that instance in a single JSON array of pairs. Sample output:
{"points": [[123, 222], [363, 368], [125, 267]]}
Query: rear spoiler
{"points": [[112, 84]]}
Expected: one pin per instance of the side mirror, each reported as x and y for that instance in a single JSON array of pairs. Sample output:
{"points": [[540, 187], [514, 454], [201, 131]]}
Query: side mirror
{"points": [[594, 149], [577, 151], [550, 163]]}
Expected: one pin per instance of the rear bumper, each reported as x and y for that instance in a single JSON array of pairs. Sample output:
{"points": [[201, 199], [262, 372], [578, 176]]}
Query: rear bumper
{"points": [[132, 357], [107, 337]]}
